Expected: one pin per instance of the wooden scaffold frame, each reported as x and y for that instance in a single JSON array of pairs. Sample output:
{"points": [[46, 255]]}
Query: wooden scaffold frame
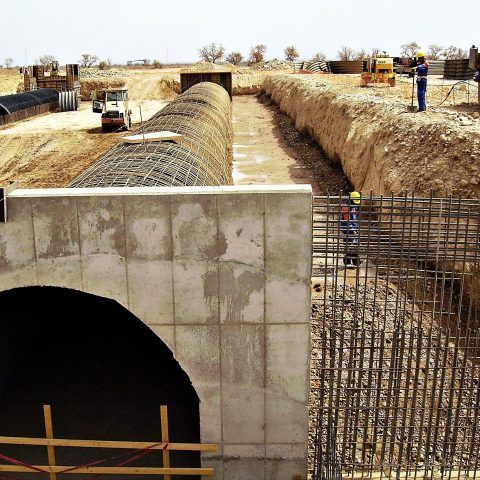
{"points": [[53, 469]]}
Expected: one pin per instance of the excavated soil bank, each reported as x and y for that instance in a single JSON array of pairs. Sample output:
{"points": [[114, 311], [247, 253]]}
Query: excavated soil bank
{"points": [[329, 177], [379, 145]]}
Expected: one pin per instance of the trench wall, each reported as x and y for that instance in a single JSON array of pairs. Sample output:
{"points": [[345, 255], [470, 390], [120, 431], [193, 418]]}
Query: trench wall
{"points": [[220, 274], [380, 146]]}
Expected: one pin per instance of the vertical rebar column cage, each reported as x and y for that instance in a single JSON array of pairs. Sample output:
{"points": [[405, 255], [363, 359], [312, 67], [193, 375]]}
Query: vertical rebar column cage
{"points": [[396, 343], [202, 115]]}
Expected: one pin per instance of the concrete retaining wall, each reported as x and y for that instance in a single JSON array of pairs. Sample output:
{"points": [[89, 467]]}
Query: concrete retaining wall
{"points": [[221, 274]]}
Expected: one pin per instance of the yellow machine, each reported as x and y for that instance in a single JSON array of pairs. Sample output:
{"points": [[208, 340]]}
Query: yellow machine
{"points": [[379, 70]]}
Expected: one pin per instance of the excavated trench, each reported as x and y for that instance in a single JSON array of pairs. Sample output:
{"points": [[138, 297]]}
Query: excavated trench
{"points": [[379, 145], [382, 150]]}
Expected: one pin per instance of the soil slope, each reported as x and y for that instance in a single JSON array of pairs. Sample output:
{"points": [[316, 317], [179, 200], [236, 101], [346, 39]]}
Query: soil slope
{"points": [[381, 146]]}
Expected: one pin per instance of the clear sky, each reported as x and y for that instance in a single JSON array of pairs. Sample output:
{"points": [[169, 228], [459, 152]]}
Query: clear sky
{"points": [[173, 30]]}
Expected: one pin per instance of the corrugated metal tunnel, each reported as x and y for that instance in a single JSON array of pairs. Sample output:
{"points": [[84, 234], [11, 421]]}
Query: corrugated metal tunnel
{"points": [[203, 157], [21, 101]]}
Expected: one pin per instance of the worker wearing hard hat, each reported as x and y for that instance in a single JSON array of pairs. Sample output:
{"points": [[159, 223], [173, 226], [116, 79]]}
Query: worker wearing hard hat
{"points": [[349, 224], [422, 72]]}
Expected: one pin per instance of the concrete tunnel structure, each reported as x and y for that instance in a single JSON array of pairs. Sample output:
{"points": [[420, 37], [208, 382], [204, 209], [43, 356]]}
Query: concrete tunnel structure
{"points": [[190, 283]]}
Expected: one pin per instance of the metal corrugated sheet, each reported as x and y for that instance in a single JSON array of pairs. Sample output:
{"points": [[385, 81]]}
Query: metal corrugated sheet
{"points": [[313, 66], [436, 67], [347, 66], [203, 116], [22, 101], [458, 70]]}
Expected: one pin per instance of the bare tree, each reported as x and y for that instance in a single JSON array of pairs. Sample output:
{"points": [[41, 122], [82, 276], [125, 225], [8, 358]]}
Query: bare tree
{"points": [[257, 53], [435, 51], [360, 55], [8, 62], [87, 60], [46, 61], [291, 53], [319, 57], [410, 49], [454, 53], [103, 65], [211, 53], [234, 57], [345, 53]]}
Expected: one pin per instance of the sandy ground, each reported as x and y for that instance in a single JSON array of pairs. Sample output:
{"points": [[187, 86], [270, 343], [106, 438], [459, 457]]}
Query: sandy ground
{"points": [[50, 150], [260, 154], [9, 80]]}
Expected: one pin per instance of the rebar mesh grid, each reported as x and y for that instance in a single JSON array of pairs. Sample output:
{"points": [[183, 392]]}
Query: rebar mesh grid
{"points": [[396, 345], [203, 157]]}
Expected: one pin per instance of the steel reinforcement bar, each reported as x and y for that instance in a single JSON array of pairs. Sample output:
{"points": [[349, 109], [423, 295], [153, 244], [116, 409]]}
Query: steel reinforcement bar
{"points": [[395, 338], [202, 115]]}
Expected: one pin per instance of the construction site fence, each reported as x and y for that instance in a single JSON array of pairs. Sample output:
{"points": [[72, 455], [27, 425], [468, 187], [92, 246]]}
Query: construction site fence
{"points": [[395, 338]]}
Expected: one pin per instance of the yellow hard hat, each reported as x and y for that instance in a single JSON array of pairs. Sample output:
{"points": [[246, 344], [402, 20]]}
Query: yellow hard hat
{"points": [[355, 197], [420, 55]]}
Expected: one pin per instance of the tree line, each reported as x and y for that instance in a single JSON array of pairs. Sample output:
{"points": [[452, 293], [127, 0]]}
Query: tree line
{"points": [[214, 53]]}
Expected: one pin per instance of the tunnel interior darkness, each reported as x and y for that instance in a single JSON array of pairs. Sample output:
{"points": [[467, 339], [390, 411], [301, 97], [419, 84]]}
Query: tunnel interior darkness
{"points": [[104, 373]]}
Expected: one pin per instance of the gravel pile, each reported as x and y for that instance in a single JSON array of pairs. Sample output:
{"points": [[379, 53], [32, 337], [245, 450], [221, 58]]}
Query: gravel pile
{"points": [[274, 65], [210, 67], [95, 73]]}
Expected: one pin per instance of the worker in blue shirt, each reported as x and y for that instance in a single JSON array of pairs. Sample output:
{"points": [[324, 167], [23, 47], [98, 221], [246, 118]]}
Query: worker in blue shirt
{"points": [[422, 72], [349, 226]]}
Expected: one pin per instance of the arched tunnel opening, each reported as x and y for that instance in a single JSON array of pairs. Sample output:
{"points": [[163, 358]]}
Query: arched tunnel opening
{"points": [[104, 373]]}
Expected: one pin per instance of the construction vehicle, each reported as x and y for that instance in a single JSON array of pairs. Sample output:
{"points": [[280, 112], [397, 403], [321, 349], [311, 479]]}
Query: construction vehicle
{"points": [[379, 71], [112, 103]]}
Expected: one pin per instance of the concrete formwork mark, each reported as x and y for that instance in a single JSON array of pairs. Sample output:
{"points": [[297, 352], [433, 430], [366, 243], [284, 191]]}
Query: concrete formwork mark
{"points": [[248, 359]]}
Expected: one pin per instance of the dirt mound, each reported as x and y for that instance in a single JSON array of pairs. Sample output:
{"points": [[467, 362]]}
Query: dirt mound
{"points": [[88, 85], [152, 85], [380, 146], [9, 81], [247, 84], [209, 67]]}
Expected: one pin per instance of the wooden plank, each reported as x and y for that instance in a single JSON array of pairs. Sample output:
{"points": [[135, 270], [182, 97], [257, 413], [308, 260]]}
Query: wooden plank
{"points": [[154, 137], [165, 438], [62, 442], [110, 470], [47, 413]]}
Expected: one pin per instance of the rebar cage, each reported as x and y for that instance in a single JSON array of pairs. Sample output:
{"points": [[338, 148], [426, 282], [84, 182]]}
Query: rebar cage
{"points": [[395, 341], [202, 115]]}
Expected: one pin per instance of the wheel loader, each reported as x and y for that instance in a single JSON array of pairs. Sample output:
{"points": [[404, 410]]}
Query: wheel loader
{"points": [[112, 103]]}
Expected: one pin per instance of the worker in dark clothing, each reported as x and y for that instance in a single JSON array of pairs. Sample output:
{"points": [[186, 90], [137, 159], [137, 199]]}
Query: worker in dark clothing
{"points": [[349, 224], [422, 72]]}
